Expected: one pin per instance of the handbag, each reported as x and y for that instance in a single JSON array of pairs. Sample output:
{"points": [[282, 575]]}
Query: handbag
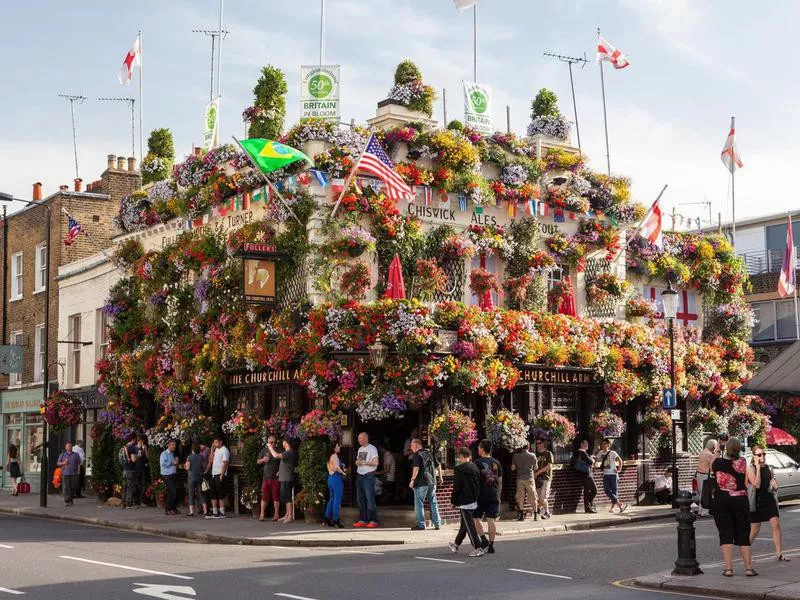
{"points": [[204, 487], [707, 492], [582, 466], [23, 487]]}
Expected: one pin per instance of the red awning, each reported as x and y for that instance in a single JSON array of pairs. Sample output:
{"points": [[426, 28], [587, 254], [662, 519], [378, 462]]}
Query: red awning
{"points": [[395, 288], [778, 437]]}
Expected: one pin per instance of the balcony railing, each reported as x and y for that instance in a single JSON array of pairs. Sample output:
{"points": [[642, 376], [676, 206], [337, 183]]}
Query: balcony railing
{"points": [[763, 261]]}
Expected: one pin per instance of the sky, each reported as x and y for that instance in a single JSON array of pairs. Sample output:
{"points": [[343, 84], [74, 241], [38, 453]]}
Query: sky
{"points": [[693, 66]]}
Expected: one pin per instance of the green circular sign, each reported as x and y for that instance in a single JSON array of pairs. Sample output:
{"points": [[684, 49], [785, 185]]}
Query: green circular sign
{"points": [[320, 85], [211, 117], [479, 101]]}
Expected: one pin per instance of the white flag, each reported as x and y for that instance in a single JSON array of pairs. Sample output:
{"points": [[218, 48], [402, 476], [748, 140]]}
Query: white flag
{"points": [[730, 153], [132, 58], [464, 4]]}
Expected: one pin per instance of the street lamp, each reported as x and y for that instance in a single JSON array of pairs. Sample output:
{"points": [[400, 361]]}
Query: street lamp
{"points": [[669, 299], [44, 478], [377, 353]]}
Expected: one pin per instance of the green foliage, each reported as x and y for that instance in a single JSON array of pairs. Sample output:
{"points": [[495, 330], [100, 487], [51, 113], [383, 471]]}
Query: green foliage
{"points": [[157, 165], [160, 144], [312, 466], [407, 72], [105, 467], [253, 444], [524, 236], [270, 95], [434, 239], [455, 125], [545, 104], [153, 462]]}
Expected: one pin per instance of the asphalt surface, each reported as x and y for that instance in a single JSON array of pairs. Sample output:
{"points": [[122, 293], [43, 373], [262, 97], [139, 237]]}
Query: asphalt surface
{"points": [[53, 560]]}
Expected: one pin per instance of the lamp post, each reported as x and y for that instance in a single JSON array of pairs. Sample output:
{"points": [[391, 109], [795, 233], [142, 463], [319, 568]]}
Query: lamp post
{"points": [[669, 299], [377, 353], [44, 475]]}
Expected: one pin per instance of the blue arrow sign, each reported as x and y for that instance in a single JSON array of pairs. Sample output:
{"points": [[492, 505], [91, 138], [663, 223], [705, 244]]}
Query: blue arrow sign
{"points": [[669, 398]]}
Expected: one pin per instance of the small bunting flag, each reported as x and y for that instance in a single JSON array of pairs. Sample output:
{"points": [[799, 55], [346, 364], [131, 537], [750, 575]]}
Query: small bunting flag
{"points": [[512, 209], [322, 178], [558, 216], [428, 194], [544, 209], [462, 203], [530, 208], [304, 178]]}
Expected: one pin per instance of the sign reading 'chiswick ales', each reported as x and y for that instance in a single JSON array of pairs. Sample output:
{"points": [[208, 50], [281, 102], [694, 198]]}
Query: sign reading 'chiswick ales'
{"points": [[554, 376], [291, 375]]}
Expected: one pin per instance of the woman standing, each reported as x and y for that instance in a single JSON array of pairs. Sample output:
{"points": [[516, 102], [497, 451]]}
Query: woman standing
{"points": [[336, 475], [731, 507], [142, 467], [766, 504], [611, 464], [12, 464]]}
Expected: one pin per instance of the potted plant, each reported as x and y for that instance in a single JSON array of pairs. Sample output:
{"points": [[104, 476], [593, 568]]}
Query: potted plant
{"points": [[61, 410], [507, 430], [606, 424], [638, 308], [354, 241], [554, 426], [410, 91], [546, 119], [356, 280], [251, 499], [313, 473], [657, 423], [482, 281], [454, 429], [707, 419], [430, 279]]}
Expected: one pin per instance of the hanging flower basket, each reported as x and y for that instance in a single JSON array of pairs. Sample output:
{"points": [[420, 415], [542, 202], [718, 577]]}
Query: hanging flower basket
{"points": [[455, 429], [743, 422], [555, 427], [607, 425], [656, 423], [61, 410], [507, 430], [708, 420]]}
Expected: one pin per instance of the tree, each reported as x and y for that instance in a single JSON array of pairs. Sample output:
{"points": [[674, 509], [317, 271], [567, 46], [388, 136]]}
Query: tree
{"points": [[545, 104], [407, 72], [160, 143], [270, 96]]}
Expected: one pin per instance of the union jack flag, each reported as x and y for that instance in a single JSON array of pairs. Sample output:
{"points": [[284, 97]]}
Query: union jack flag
{"points": [[74, 229]]}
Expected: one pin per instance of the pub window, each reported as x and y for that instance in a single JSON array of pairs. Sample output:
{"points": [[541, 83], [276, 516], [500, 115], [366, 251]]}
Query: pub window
{"points": [[564, 401]]}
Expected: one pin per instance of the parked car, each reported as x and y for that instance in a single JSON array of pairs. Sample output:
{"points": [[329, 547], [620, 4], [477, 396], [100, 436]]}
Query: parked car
{"points": [[784, 469]]}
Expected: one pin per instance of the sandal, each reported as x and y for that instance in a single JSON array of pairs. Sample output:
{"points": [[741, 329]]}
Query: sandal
{"points": [[782, 558], [750, 572], [728, 572]]}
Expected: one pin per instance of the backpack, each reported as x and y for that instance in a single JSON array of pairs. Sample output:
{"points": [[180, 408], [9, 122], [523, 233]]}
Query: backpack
{"points": [[428, 467]]}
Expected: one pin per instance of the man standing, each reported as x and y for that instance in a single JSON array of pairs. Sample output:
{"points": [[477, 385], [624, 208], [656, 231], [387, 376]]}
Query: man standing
{"points": [[270, 486], [704, 461], [82, 477], [130, 482], [70, 463], [205, 454], [388, 475], [168, 463], [543, 476], [491, 484], [524, 463], [219, 470], [288, 458], [584, 463], [366, 465], [466, 487], [425, 474]]}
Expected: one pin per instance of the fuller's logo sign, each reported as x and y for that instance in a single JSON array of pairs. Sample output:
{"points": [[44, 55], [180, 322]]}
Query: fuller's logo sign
{"points": [[259, 273], [553, 376], [262, 377]]}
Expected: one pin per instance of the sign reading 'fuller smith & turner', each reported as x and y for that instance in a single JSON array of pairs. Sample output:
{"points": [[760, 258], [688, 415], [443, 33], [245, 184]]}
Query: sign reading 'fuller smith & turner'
{"points": [[554, 376]]}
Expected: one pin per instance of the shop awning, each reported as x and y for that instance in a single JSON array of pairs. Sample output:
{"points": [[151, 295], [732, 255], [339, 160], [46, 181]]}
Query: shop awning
{"points": [[779, 376]]}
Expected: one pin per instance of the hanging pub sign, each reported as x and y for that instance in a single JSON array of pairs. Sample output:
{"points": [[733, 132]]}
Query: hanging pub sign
{"points": [[259, 274]]}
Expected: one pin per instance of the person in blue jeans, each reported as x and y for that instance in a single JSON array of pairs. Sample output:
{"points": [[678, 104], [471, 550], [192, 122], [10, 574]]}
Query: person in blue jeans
{"points": [[424, 476], [366, 465], [336, 475]]}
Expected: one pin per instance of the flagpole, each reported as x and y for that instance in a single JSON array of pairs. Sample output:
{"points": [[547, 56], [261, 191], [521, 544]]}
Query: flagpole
{"points": [[141, 107], [733, 191], [350, 177], [266, 180], [605, 115], [321, 32], [793, 276], [474, 43]]}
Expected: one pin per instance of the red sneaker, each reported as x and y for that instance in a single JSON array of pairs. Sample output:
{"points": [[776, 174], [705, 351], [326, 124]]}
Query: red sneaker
{"points": [[360, 524], [372, 525]]}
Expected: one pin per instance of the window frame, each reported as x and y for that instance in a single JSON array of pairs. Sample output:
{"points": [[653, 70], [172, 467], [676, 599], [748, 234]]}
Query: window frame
{"points": [[17, 281], [39, 272], [15, 338], [39, 340], [74, 363]]}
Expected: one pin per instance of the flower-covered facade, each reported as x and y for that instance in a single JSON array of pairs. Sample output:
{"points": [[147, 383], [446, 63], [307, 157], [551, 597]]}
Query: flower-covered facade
{"points": [[496, 224]]}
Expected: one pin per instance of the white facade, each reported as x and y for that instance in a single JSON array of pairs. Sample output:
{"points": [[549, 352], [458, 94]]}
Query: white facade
{"points": [[83, 288]]}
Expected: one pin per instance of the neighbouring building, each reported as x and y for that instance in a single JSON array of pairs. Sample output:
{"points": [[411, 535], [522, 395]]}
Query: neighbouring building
{"points": [[23, 316]]}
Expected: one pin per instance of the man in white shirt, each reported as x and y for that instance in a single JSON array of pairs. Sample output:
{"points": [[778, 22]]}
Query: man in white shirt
{"points": [[219, 470], [366, 465], [78, 449]]}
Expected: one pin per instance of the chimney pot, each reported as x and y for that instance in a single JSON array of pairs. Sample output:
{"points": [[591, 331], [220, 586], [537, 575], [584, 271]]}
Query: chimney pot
{"points": [[197, 150], [112, 159], [120, 163], [37, 191], [132, 163], [63, 188], [78, 184]]}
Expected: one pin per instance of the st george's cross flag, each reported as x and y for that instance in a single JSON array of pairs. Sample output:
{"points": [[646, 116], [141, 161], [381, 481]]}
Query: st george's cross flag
{"points": [[464, 4], [376, 162], [787, 282], [132, 58], [650, 228], [730, 153], [607, 52]]}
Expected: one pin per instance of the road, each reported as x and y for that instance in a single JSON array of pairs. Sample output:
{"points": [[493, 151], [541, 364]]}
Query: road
{"points": [[53, 560]]}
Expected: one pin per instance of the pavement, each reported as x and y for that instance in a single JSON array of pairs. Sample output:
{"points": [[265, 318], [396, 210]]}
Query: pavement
{"points": [[245, 530]]}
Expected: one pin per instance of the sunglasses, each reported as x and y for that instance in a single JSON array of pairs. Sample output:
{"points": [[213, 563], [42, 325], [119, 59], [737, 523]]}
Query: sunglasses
{"points": [[759, 454]]}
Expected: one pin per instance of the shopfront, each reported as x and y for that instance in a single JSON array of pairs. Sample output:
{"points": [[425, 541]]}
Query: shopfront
{"points": [[22, 425]]}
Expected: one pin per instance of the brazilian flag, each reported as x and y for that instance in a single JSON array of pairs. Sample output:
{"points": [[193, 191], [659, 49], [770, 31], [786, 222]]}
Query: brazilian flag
{"points": [[269, 155]]}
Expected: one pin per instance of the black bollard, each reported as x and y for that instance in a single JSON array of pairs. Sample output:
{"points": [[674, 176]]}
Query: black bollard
{"points": [[687, 545]]}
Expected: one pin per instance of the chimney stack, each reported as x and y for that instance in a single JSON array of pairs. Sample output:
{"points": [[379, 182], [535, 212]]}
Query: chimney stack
{"points": [[197, 150], [63, 188], [132, 163], [78, 184], [112, 160], [37, 192], [120, 163]]}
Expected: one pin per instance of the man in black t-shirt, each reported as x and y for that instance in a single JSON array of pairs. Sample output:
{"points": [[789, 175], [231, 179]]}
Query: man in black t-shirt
{"points": [[129, 479], [491, 484], [584, 463]]}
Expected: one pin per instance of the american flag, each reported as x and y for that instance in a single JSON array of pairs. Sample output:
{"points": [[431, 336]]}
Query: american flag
{"points": [[74, 229], [376, 162]]}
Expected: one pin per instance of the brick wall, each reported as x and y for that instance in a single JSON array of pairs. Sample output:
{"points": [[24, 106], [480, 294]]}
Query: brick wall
{"points": [[764, 283]]}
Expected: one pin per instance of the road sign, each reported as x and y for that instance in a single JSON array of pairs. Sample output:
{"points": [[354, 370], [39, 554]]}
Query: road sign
{"points": [[675, 415], [669, 398], [10, 359], [166, 592]]}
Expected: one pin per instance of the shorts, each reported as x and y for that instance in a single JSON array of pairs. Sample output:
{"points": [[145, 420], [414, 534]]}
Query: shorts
{"points": [[543, 490], [218, 488], [270, 490], [490, 510], [286, 491]]}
